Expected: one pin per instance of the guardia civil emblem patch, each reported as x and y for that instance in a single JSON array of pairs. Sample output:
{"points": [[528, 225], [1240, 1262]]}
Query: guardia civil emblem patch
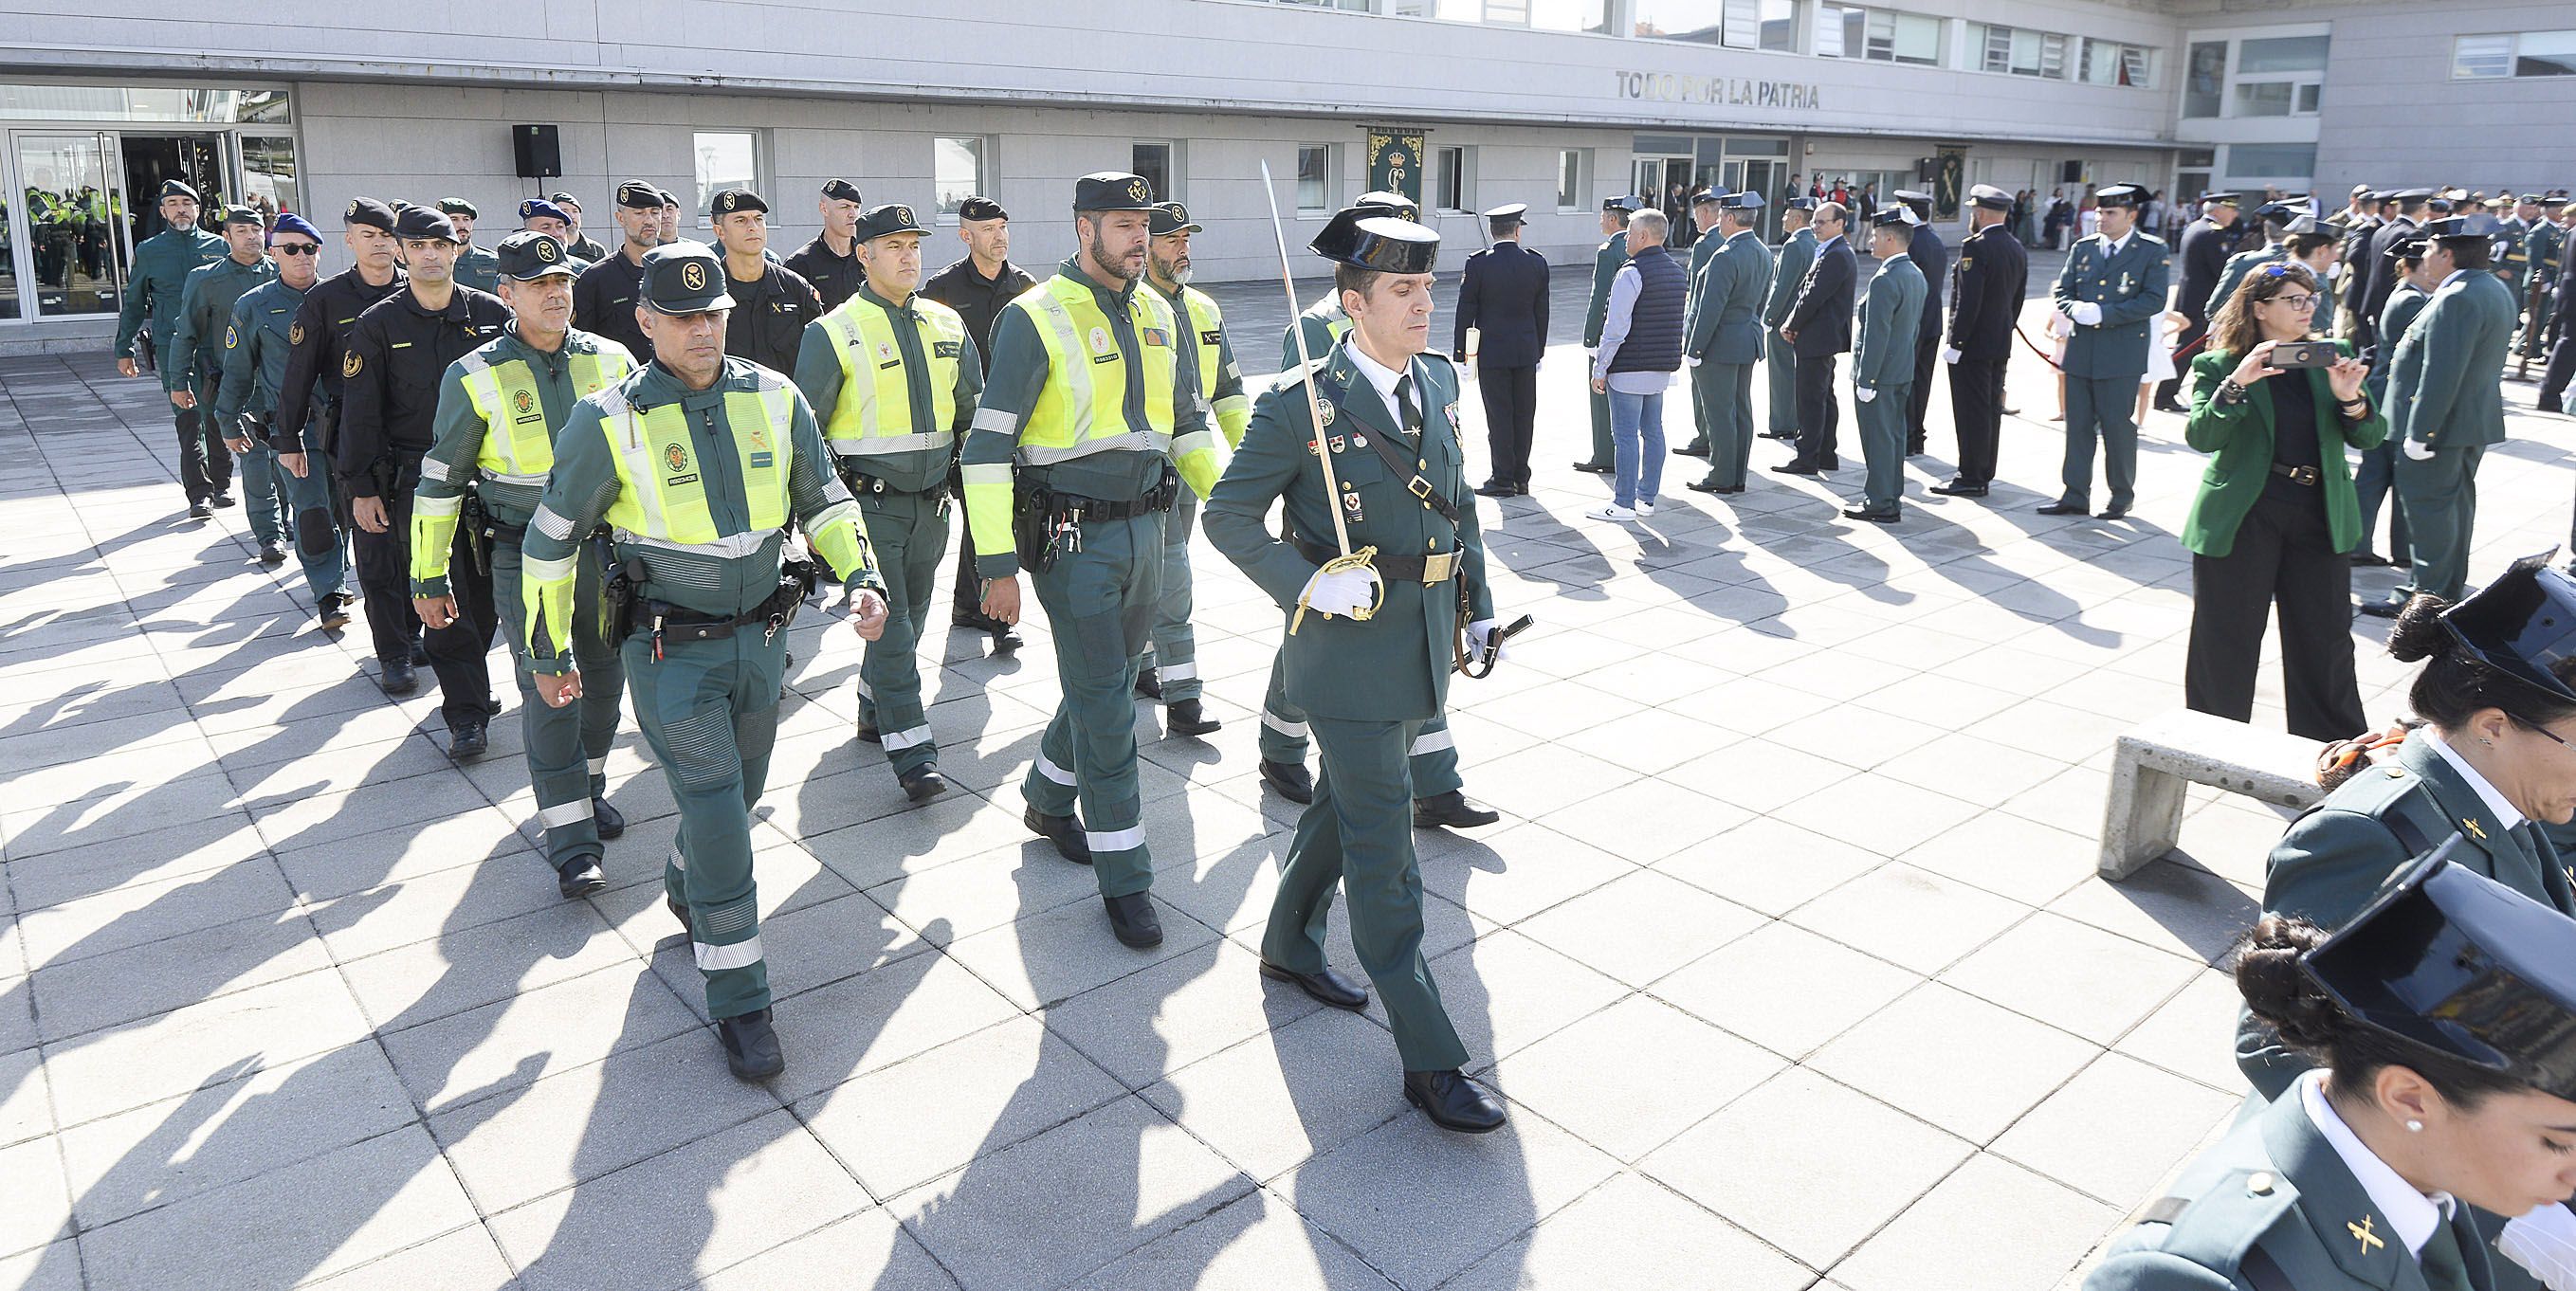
{"points": [[676, 457], [1100, 340], [350, 363], [523, 402], [295, 333]]}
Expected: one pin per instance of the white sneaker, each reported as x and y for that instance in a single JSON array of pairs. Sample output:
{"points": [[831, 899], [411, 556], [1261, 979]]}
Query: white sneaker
{"points": [[1611, 512], [1645, 509]]}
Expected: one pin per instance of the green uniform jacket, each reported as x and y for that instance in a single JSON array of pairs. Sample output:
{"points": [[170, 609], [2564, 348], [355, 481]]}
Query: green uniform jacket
{"points": [[585, 482], [2241, 434], [2446, 385], [255, 350], [818, 376], [1202, 323], [2338, 855], [2275, 1185], [2130, 288], [2239, 265], [1322, 324], [194, 356], [153, 288], [1606, 259], [1727, 299], [1396, 665], [479, 269], [1889, 316], [2405, 305], [459, 428], [1700, 251], [1797, 255]]}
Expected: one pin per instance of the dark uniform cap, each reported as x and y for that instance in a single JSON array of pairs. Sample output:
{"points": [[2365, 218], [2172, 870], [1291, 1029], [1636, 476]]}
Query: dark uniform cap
{"points": [[841, 190], [1112, 190], [981, 208], [1912, 197], [1508, 213], [684, 277], [535, 207], [734, 201], [668, 197], [1387, 244], [2279, 212], [2528, 199], [2361, 190], [2302, 223], [419, 222], [2412, 248], [2407, 195], [2454, 229], [636, 195], [1899, 216], [2130, 195], [2220, 198], [1395, 204], [1800, 204], [1706, 196], [1623, 202], [564, 199], [1170, 217], [1990, 197], [528, 255], [459, 206], [400, 206], [2454, 962], [242, 215], [173, 188], [370, 212], [1747, 200], [2523, 625], [1341, 232], [893, 217]]}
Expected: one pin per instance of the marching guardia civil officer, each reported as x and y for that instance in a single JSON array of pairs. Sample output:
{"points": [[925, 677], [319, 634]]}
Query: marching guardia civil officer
{"points": [[895, 377], [2445, 405], [1797, 254], [1607, 259], [1883, 362], [498, 410], [1439, 796], [305, 422], [1209, 359], [1388, 417], [2110, 292], [154, 285], [476, 267], [1723, 339], [1088, 396], [697, 463], [193, 351], [256, 345]]}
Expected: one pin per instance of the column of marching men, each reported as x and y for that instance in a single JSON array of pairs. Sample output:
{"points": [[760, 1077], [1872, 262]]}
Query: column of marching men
{"points": [[637, 464]]}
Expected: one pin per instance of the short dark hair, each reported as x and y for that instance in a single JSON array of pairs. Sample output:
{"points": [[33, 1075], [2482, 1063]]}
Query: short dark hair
{"points": [[1351, 277], [2470, 255], [1617, 213], [2303, 245]]}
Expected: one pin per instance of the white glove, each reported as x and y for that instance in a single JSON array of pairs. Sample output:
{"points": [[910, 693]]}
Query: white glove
{"points": [[2060, 326], [1590, 350], [1691, 361], [1950, 355], [1478, 633], [2419, 451], [1864, 393], [2334, 271], [2085, 313], [1338, 591], [2543, 1242]]}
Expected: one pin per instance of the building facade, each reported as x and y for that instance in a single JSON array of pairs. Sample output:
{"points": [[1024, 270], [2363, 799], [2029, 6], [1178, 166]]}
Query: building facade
{"points": [[1467, 103]]}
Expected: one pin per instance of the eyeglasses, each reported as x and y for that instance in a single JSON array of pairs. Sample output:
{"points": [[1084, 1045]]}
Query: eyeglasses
{"points": [[2543, 731], [2295, 302], [297, 248]]}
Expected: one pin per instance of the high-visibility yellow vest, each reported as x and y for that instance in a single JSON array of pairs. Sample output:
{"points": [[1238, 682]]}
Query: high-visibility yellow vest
{"points": [[663, 498], [1207, 327], [1084, 408], [518, 444], [874, 414]]}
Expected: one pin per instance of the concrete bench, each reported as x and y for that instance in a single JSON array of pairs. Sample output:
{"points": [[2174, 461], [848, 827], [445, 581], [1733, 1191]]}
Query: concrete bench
{"points": [[2153, 764]]}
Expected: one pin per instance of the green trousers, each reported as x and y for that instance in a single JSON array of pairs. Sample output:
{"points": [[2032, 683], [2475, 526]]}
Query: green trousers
{"points": [[1882, 446], [1724, 394], [709, 710], [1358, 833], [909, 534], [1782, 362], [1699, 413], [1100, 603], [2103, 408], [567, 747], [1174, 655], [1433, 754], [1605, 451], [2440, 496]]}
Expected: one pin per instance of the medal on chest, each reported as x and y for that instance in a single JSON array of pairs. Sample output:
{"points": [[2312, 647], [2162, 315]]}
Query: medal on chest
{"points": [[1351, 502]]}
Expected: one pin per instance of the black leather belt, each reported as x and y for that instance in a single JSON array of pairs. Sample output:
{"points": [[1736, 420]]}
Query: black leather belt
{"points": [[1081, 508], [2297, 474], [1430, 570], [861, 483]]}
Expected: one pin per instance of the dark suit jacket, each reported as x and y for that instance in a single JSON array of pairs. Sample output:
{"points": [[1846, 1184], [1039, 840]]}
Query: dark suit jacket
{"points": [[1989, 281], [1822, 318], [1931, 255], [1504, 297], [2382, 262], [2204, 258]]}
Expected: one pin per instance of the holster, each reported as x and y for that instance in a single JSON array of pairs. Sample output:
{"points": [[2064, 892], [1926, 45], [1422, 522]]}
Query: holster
{"points": [[477, 525]]}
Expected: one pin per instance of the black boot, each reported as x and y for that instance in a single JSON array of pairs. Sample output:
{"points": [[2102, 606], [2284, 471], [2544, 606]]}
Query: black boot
{"points": [[1452, 1101], [1290, 779], [468, 739], [581, 877], [1148, 684], [922, 784], [1063, 831], [751, 1046], [398, 677], [1186, 717], [609, 821], [1133, 919], [1453, 809]]}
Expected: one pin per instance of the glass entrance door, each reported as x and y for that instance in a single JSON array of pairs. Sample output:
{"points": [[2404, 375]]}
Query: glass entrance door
{"points": [[146, 160], [1769, 178], [74, 259]]}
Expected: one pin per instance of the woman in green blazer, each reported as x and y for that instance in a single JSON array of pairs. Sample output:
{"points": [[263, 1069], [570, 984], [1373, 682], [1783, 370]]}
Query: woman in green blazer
{"points": [[2275, 513]]}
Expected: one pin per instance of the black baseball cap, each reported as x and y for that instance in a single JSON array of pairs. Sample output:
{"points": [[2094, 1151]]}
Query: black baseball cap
{"points": [[893, 217], [1170, 217], [528, 255], [734, 201], [1112, 190], [684, 278]]}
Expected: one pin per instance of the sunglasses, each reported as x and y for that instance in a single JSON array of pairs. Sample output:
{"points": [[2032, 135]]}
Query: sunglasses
{"points": [[297, 248]]}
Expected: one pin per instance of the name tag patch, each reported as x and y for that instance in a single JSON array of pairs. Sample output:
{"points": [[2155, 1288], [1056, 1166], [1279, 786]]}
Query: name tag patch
{"points": [[1210, 337], [760, 461], [946, 349]]}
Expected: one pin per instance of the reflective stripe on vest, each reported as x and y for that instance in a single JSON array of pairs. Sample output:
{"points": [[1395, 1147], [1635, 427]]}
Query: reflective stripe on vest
{"points": [[874, 413], [1204, 321], [663, 498], [518, 443], [1083, 408]]}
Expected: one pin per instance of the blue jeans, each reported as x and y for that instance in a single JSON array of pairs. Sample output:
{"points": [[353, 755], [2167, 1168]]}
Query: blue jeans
{"points": [[1635, 418]]}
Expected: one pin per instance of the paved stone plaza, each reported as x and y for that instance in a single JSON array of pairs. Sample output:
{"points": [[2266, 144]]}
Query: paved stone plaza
{"points": [[1788, 953]]}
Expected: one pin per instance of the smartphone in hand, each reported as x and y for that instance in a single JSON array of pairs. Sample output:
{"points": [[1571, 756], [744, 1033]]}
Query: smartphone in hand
{"points": [[2305, 354]]}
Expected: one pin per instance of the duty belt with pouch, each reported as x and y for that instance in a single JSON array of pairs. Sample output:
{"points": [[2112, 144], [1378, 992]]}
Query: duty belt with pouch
{"points": [[677, 623], [482, 531], [1430, 570], [1047, 524], [861, 484]]}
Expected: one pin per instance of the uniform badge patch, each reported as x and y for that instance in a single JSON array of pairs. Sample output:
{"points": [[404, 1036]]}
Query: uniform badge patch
{"points": [[1337, 443], [1359, 441], [232, 338], [759, 437], [1351, 502], [885, 351], [676, 457], [523, 402], [349, 364], [1100, 340], [1155, 336], [295, 333], [1324, 410], [693, 275], [1453, 414]]}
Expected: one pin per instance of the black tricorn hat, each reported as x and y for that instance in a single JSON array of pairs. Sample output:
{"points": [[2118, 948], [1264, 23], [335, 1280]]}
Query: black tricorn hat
{"points": [[1383, 243], [2523, 625]]}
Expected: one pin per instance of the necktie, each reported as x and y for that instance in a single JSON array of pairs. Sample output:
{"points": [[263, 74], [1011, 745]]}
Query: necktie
{"points": [[2443, 1268], [1405, 411]]}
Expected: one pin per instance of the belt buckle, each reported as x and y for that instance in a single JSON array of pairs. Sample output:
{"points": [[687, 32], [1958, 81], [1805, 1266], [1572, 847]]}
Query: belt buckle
{"points": [[1439, 567], [1418, 487], [2303, 475]]}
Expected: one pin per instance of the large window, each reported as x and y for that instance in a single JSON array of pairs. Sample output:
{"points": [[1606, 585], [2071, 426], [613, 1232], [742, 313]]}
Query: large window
{"points": [[2204, 85], [1736, 24], [1546, 15], [2019, 51], [957, 171], [1153, 160], [1318, 179], [2530, 53], [2256, 161], [1573, 175], [724, 159], [1882, 35], [2281, 54], [2109, 62], [1453, 175], [2273, 76]]}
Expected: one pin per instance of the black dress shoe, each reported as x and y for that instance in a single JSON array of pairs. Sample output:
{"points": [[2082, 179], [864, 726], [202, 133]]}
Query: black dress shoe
{"points": [[2168, 405], [1795, 468], [1453, 1102], [272, 554], [607, 820], [223, 500], [1005, 640], [2062, 509], [1498, 489], [1595, 468], [1730, 488], [332, 613], [581, 877], [1188, 717], [1703, 486], [1291, 779], [2387, 609], [1691, 450], [1959, 489], [1063, 831], [200, 511], [922, 784], [1324, 984], [2549, 405], [1871, 514], [1148, 684], [419, 653], [2111, 513], [1133, 919], [1453, 809], [2366, 557], [468, 740], [398, 677], [751, 1046], [1829, 463]]}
